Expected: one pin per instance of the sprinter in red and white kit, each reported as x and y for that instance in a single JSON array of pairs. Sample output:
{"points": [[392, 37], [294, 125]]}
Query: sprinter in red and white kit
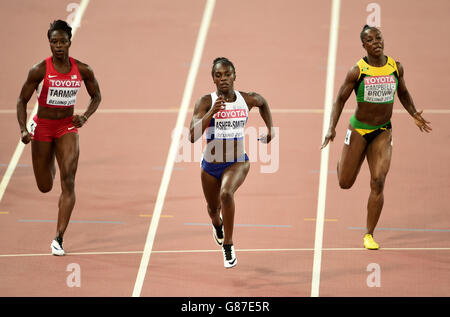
{"points": [[54, 130]]}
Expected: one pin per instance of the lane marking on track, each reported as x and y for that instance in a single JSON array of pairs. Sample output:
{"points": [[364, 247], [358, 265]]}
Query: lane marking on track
{"points": [[150, 215], [329, 91], [403, 229], [71, 221], [187, 94], [239, 225], [314, 219], [219, 251], [279, 110], [21, 146]]}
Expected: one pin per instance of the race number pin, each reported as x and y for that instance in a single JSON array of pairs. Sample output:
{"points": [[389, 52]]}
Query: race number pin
{"points": [[347, 137]]}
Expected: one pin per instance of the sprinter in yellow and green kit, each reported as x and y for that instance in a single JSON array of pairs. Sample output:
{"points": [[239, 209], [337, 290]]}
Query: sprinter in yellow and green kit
{"points": [[376, 79]]}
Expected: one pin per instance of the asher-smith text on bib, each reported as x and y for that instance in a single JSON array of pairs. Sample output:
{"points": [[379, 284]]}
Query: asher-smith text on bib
{"points": [[229, 123]]}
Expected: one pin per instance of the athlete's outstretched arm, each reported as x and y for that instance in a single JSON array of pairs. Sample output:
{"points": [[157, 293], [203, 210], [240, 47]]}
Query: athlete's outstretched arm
{"points": [[93, 90], [344, 93], [407, 101], [256, 100], [35, 76]]}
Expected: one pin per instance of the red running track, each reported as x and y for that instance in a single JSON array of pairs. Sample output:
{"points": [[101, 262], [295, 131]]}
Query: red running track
{"points": [[141, 54]]}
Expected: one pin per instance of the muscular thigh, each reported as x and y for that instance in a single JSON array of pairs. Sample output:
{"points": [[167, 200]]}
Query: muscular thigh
{"points": [[353, 154], [379, 153], [234, 176], [67, 153], [211, 189], [42, 154]]}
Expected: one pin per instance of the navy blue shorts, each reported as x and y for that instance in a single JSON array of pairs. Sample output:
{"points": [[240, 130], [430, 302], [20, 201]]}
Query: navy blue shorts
{"points": [[217, 169]]}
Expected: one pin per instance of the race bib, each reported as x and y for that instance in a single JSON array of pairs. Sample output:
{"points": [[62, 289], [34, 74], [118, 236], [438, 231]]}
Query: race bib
{"points": [[230, 123], [379, 88], [63, 92]]}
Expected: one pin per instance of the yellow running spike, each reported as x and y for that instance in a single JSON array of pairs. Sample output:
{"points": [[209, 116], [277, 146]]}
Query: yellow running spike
{"points": [[369, 243]]}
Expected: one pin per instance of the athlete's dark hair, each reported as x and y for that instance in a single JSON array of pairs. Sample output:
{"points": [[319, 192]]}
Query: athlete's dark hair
{"points": [[365, 28], [60, 25], [222, 60]]}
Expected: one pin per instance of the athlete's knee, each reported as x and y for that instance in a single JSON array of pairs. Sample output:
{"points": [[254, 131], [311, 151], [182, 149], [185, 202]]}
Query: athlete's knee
{"points": [[68, 182], [377, 183], [345, 184], [44, 179], [226, 195], [45, 187], [212, 210]]}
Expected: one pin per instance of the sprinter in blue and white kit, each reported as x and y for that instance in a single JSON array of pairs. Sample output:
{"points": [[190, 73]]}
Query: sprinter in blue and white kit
{"points": [[223, 115]]}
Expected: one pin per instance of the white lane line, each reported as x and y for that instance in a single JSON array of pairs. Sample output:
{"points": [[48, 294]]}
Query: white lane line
{"points": [[279, 110], [218, 250], [20, 146], [176, 136], [320, 218]]}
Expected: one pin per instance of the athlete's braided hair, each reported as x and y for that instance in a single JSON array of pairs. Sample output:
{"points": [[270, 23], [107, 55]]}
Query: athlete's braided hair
{"points": [[60, 25], [222, 60], [365, 28]]}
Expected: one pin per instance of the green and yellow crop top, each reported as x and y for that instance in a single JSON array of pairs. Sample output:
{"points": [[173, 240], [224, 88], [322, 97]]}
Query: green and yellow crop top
{"points": [[376, 84]]}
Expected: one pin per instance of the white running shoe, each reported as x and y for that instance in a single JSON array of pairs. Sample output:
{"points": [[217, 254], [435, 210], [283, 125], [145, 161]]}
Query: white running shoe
{"points": [[229, 256], [56, 246], [218, 234]]}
